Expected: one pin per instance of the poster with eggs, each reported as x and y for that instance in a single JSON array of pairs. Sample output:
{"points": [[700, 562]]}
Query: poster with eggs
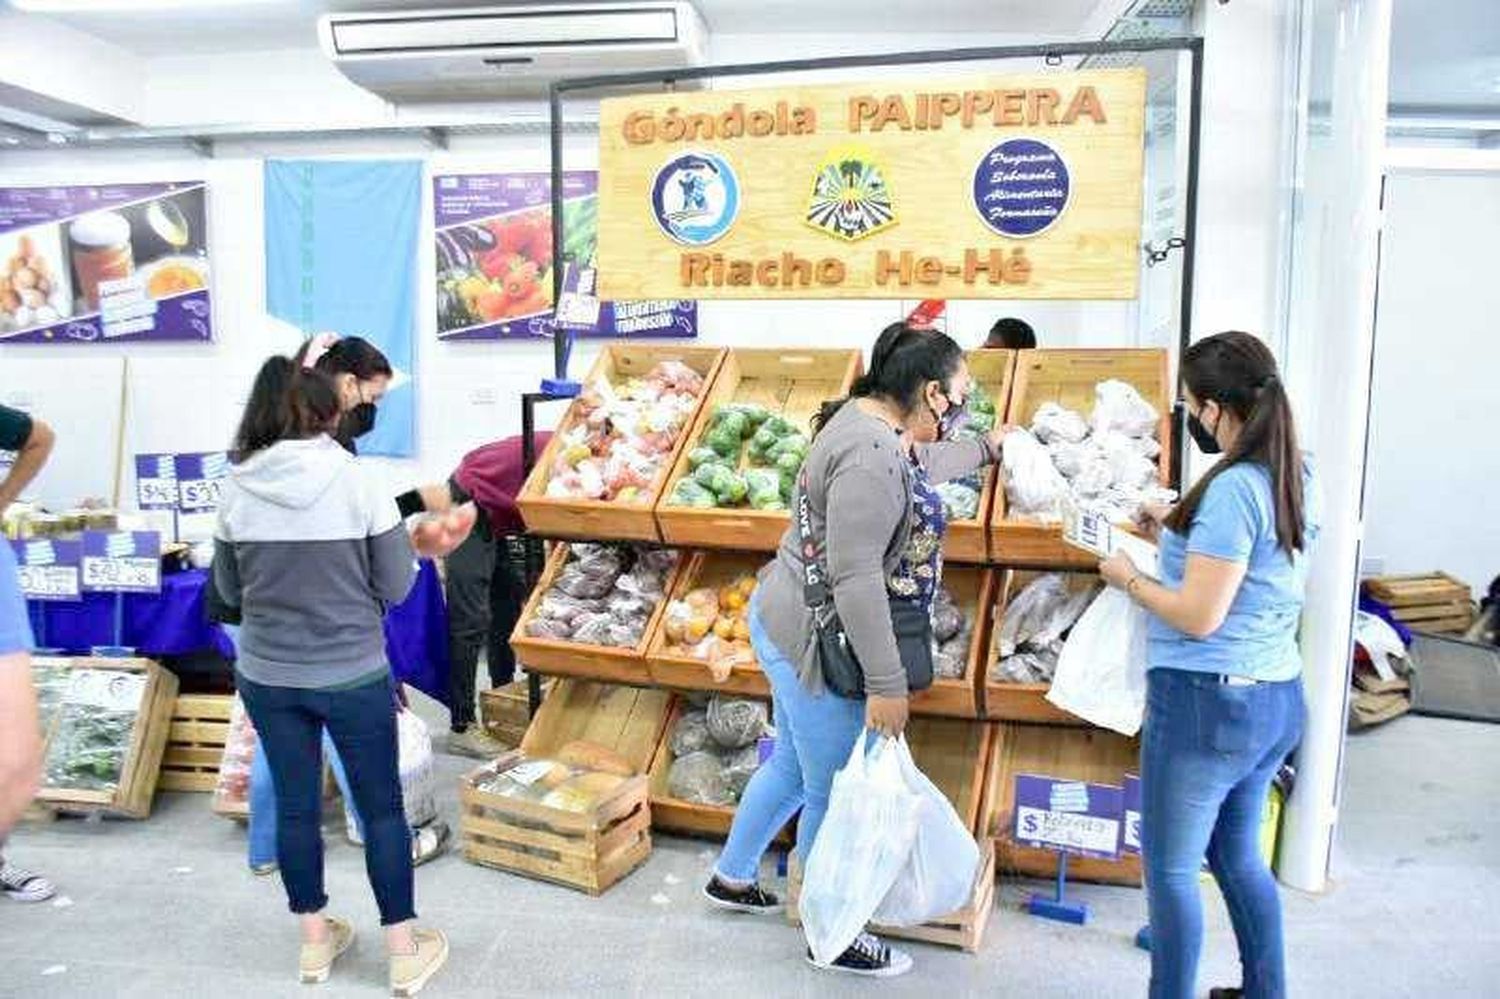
{"points": [[113, 262]]}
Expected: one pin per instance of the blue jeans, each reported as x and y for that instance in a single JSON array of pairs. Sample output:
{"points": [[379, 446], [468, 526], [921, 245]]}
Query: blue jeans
{"points": [[813, 737], [262, 837], [362, 722], [1208, 755]]}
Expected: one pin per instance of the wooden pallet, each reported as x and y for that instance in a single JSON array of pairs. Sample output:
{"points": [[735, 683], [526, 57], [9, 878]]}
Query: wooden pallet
{"points": [[559, 517], [959, 697], [793, 384], [1068, 377], [1094, 755], [968, 540], [1434, 602], [589, 850], [670, 665], [962, 930], [141, 767], [1021, 702], [579, 659], [505, 712], [195, 742]]}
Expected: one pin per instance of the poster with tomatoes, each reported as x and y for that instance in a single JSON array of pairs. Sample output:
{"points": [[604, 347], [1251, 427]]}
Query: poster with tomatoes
{"points": [[495, 260]]}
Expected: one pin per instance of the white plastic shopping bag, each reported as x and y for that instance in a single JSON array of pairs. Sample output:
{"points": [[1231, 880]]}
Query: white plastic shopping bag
{"points": [[938, 878], [418, 774], [1101, 673], [861, 847]]}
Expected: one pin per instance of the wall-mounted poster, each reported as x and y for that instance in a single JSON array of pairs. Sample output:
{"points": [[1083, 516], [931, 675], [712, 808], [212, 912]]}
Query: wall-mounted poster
{"points": [[117, 262], [495, 259]]}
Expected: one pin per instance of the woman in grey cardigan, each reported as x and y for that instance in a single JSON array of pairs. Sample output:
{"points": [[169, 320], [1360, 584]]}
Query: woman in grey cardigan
{"points": [[869, 479]]}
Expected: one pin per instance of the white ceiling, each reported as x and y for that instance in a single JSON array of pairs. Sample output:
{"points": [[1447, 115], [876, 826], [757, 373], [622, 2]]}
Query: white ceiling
{"points": [[273, 24], [1445, 54]]}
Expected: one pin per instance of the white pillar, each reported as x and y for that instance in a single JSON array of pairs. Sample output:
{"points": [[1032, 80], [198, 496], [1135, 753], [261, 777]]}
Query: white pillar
{"points": [[1346, 49]]}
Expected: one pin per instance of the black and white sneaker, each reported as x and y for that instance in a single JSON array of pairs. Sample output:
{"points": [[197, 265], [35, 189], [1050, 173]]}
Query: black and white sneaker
{"points": [[750, 899], [868, 956]]}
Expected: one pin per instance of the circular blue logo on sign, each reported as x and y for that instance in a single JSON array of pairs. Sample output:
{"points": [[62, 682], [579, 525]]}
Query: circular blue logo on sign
{"points": [[696, 198], [1021, 187]]}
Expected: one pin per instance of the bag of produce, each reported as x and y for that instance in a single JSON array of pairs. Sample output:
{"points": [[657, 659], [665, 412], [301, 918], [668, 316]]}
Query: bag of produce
{"points": [[1028, 610], [1056, 424], [960, 500], [739, 766], [734, 722], [763, 487], [699, 455], [1032, 483], [947, 617], [699, 777], [233, 789], [691, 733], [1118, 406]]}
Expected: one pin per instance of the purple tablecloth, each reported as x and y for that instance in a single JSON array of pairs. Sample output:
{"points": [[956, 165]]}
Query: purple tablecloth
{"points": [[173, 623]]}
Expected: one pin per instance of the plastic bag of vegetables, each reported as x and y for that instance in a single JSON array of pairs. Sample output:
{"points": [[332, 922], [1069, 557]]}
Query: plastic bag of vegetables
{"points": [[735, 722], [764, 489]]}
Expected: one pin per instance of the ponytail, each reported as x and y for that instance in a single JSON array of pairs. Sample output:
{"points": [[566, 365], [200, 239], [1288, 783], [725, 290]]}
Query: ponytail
{"points": [[1238, 371], [286, 402], [904, 359]]}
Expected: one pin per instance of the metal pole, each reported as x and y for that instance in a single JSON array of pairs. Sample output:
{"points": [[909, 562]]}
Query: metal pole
{"points": [[1189, 235], [560, 338]]}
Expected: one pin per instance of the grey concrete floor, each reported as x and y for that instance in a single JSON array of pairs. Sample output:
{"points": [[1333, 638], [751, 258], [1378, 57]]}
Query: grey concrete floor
{"points": [[166, 907]]}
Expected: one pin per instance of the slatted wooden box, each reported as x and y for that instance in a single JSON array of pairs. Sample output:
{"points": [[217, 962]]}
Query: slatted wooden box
{"points": [[1022, 702], [1068, 377], [561, 517], [505, 712], [581, 659], [195, 745], [589, 850], [790, 383], [968, 540], [140, 766]]}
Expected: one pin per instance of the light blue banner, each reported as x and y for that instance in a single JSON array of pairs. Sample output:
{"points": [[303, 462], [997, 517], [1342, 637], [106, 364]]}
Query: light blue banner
{"points": [[341, 257]]}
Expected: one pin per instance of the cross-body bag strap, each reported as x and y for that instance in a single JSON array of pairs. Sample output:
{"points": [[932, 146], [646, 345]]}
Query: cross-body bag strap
{"points": [[815, 591]]}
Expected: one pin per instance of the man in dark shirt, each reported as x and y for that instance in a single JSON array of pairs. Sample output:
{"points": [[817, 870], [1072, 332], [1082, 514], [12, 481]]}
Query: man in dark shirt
{"points": [[1011, 334], [20, 734]]}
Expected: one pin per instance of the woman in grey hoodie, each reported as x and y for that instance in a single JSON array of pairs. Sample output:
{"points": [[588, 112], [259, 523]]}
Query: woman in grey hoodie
{"points": [[312, 552]]}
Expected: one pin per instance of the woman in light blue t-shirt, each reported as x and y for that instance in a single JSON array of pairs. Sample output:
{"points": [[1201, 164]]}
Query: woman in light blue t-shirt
{"points": [[1224, 702]]}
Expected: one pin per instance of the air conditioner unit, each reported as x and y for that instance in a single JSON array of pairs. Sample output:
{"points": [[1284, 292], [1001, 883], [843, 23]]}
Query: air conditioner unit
{"points": [[480, 53]]}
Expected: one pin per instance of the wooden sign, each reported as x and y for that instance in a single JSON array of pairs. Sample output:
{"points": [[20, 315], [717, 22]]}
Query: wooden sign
{"points": [[1025, 186]]}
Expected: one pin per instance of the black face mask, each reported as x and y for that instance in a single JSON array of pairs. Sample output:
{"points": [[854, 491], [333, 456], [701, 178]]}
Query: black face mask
{"points": [[1202, 436], [356, 423]]}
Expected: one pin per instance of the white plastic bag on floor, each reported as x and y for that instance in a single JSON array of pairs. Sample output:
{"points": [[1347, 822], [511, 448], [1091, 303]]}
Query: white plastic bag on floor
{"points": [[862, 845], [1101, 673], [418, 774], [938, 878]]}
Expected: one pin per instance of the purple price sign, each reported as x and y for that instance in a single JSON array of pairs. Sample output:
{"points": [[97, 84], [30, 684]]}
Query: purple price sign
{"points": [[1130, 829], [200, 480], [48, 569], [155, 482], [121, 562], [1071, 816]]}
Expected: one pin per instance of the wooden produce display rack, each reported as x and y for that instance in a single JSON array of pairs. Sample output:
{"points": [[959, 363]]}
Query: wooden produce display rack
{"points": [[141, 765], [581, 659], [1022, 702], [1433, 602], [1086, 754], [195, 742], [791, 384], [562, 517], [673, 814], [589, 850], [968, 540], [669, 666], [1068, 377], [972, 589]]}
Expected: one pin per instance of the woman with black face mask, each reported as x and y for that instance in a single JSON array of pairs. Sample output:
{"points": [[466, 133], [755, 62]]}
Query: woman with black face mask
{"points": [[1224, 688], [360, 372]]}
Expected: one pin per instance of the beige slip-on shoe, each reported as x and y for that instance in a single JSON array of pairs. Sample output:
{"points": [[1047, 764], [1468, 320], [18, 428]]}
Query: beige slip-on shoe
{"points": [[316, 960], [410, 972]]}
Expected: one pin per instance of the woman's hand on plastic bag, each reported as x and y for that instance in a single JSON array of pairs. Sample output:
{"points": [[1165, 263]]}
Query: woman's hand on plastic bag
{"points": [[1118, 570], [887, 715]]}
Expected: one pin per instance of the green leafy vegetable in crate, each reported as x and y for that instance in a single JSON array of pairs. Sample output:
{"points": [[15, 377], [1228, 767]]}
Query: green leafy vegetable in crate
{"points": [[777, 449], [765, 489], [701, 456], [690, 493]]}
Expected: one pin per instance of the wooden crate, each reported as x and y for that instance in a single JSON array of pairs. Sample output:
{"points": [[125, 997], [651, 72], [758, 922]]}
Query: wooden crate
{"points": [[195, 743], [1431, 601], [505, 712], [556, 517], [596, 662], [971, 587], [968, 540], [675, 814], [141, 767], [1022, 702], [790, 383], [670, 667], [963, 930], [1095, 755], [1068, 377], [586, 850]]}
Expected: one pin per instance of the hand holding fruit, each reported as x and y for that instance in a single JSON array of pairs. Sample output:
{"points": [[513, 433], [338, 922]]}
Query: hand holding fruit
{"points": [[435, 536]]}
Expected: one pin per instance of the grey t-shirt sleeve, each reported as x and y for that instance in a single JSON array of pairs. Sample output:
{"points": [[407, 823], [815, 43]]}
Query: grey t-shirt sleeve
{"points": [[945, 461], [864, 501]]}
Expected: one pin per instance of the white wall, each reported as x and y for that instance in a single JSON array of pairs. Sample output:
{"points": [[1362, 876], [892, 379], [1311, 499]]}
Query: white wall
{"points": [[1433, 464]]}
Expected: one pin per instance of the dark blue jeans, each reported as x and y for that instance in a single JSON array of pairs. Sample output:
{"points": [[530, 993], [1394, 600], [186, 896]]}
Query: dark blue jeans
{"points": [[1208, 756], [362, 723]]}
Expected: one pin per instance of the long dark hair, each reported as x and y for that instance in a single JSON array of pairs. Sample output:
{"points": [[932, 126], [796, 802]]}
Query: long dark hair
{"points": [[286, 402], [904, 359], [1238, 371], [350, 355]]}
